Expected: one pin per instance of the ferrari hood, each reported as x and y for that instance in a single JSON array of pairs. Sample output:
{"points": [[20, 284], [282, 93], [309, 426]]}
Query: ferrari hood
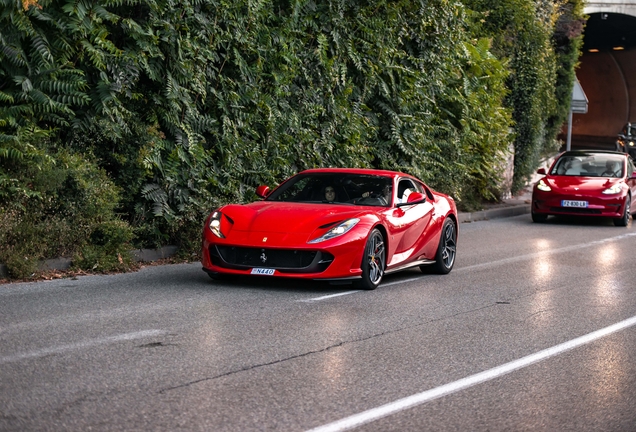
{"points": [[283, 217], [580, 184]]}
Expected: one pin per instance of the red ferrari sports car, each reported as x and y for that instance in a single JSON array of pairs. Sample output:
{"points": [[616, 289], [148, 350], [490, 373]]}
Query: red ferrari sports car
{"points": [[335, 225], [586, 183]]}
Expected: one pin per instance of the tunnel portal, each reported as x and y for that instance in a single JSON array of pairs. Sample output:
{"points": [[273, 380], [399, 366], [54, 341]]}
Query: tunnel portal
{"points": [[607, 73]]}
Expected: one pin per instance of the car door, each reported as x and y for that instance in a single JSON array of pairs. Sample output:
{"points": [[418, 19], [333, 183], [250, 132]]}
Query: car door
{"points": [[408, 222]]}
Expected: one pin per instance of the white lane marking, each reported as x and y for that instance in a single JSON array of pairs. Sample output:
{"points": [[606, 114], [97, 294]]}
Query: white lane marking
{"points": [[330, 296], [542, 254], [373, 414], [86, 344]]}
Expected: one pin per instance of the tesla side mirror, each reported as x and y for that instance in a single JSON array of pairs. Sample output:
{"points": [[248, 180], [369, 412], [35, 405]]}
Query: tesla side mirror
{"points": [[413, 198], [634, 175], [262, 191], [541, 171]]}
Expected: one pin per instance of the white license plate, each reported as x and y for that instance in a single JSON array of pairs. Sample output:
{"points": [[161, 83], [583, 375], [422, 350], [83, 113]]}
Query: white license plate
{"points": [[567, 203], [262, 271]]}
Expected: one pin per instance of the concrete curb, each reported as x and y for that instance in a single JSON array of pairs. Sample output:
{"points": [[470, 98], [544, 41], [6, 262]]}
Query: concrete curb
{"points": [[139, 255], [495, 213], [146, 255], [55, 264]]}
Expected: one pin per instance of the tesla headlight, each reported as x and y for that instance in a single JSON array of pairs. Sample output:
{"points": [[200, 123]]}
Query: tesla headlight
{"points": [[215, 224], [543, 186], [613, 189], [336, 231]]}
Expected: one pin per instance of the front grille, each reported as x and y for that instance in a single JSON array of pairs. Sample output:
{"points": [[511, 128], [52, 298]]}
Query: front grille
{"points": [[574, 210], [284, 260]]}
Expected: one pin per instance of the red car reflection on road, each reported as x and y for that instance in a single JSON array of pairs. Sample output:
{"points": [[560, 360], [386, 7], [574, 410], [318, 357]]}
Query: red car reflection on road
{"points": [[586, 183], [334, 224]]}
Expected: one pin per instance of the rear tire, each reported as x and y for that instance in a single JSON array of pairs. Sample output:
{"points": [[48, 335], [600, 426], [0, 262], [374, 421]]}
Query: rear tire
{"points": [[539, 218], [373, 262], [623, 221], [446, 250]]}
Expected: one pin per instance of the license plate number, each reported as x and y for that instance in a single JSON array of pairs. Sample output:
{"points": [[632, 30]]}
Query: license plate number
{"points": [[567, 203], [262, 271]]}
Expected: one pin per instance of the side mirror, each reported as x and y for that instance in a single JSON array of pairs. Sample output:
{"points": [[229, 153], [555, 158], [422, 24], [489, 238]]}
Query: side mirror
{"points": [[541, 171], [414, 198], [633, 175], [262, 191]]}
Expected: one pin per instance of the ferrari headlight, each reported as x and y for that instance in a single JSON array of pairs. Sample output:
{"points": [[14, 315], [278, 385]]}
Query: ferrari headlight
{"points": [[613, 189], [336, 231], [215, 224], [543, 186]]}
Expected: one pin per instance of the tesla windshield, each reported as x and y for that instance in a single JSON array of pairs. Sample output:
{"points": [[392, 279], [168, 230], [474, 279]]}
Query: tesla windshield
{"points": [[589, 165]]}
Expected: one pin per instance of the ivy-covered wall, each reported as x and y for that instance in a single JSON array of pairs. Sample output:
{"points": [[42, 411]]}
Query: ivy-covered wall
{"points": [[188, 104], [541, 40]]}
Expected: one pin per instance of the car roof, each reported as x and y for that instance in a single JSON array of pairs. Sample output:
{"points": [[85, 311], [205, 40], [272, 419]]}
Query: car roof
{"points": [[367, 171]]}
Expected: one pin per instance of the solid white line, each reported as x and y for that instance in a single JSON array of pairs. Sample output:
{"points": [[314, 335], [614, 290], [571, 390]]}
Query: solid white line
{"points": [[426, 396], [330, 296], [79, 345]]}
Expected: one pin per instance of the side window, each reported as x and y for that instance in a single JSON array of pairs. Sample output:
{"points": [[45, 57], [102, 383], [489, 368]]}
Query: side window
{"points": [[630, 167], [405, 187], [428, 193]]}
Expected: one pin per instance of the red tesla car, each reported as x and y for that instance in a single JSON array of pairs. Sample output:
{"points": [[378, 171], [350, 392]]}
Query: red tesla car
{"points": [[334, 225], [586, 183]]}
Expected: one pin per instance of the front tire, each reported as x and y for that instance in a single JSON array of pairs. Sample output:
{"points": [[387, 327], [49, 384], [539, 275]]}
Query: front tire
{"points": [[623, 221], [373, 262], [446, 251]]}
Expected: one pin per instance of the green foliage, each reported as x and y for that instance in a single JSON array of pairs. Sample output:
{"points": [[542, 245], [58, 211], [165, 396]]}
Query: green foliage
{"points": [[541, 39], [108, 248], [58, 204], [485, 131], [567, 40], [185, 105]]}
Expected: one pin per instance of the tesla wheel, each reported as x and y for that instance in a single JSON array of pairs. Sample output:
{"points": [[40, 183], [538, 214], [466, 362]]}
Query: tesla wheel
{"points": [[539, 218], [623, 221], [373, 262], [446, 251]]}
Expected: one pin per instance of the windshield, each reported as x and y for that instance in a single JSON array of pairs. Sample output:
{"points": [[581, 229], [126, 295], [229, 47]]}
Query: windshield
{"points": [[589, 165], [336, 188]]}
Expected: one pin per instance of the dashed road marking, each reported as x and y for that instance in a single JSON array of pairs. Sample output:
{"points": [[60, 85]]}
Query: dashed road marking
{"points": [[544, 253], [330, 296], [495, 263]]}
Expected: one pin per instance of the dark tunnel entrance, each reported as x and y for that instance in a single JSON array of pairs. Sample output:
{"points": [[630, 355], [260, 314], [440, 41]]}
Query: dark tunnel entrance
{"points": [[607, 73]]}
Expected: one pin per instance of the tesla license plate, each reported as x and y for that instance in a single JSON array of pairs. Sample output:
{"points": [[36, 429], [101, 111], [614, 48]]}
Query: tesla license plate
{"points": [[567, 203], [263, 271]]}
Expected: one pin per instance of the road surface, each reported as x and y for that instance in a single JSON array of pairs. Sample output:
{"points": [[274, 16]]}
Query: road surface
{"points": [[534, 329]]}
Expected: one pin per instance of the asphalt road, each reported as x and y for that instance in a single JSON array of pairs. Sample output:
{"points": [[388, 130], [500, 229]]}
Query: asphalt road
{"points": [[509, 341]]}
